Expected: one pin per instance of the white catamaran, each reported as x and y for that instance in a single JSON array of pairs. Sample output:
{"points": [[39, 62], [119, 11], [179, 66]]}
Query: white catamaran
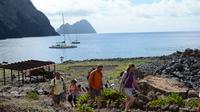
{"points": [[63, 44]]}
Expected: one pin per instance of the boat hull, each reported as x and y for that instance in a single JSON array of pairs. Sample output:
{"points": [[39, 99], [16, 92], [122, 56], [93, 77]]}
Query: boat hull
{"points": [[75, 42], [62, 47]]}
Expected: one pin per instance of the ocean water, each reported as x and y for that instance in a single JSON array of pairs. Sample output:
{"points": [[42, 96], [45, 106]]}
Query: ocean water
{"points": [[98, 46]]}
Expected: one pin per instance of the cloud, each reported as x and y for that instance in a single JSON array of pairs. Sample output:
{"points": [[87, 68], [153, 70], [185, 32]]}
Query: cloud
{"points": [[74, 7], [122, 15], [169, 8]]}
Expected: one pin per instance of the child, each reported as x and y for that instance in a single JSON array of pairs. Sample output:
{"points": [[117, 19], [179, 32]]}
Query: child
{"points": [[73, 89], [80, 90]]}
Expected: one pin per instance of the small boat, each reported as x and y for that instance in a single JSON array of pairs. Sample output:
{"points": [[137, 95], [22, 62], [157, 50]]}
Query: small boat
{"points": [[75, 41], [63, 44]]}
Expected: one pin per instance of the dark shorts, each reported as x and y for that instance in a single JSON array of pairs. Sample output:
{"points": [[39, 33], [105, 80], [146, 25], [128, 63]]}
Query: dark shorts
{"points": [[95, 93], [59, 98], [72, 98]]}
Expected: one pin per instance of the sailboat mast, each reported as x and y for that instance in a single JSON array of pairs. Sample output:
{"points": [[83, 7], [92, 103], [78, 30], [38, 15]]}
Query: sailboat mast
{"points": [[63, 26], [76, 35]]}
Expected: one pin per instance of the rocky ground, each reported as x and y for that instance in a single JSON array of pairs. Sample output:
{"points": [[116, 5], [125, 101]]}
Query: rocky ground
{"points": [[181, 66], [184, 67]]}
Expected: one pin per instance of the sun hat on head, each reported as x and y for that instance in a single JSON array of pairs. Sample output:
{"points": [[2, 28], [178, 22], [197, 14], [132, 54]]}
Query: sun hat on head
{"points": [[74, 81]]}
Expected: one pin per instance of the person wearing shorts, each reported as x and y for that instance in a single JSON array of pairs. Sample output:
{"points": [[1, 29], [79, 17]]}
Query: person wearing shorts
{"points": [[73, 89], [58, 89], [96, 84], [128, 85]]}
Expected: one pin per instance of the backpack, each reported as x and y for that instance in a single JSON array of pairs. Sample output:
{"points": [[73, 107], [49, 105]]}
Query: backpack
{"points": [[89, 74], [125, 76]]}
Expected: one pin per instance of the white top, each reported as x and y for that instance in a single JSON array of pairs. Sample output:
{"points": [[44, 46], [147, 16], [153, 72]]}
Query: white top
{"points": [[58, 86]]}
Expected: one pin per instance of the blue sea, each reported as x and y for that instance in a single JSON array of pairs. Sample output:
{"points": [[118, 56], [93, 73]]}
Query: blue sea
{"points": [[98, 46]]}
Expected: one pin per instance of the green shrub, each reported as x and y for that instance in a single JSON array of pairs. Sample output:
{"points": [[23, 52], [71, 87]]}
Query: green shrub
{"points": [[175, 99], [82, 103], [112, 95], [108, 95], [170, 99], [158, 102], [84, 108], [33, 95], [83, 98], [192, 103]]}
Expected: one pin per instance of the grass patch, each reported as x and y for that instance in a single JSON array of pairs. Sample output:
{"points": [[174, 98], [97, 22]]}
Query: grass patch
{"points": [[111, 75], [32, 95]]}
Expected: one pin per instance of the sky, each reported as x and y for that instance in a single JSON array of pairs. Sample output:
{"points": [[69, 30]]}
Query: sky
{"points": [[117, 16]]}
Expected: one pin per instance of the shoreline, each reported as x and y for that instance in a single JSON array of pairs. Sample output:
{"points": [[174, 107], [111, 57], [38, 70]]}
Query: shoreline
{"points": [[118, 59]]}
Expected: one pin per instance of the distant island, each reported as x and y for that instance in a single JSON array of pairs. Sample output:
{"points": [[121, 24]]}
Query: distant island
{"points": [[19, 18], [82, 26]]}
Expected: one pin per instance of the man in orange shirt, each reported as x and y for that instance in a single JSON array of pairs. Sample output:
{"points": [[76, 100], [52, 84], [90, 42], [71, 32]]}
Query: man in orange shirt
{"points": [[96, 84]]}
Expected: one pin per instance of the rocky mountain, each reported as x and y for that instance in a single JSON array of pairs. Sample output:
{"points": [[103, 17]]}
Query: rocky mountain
{"points": [[19, 18], [79, 27]]}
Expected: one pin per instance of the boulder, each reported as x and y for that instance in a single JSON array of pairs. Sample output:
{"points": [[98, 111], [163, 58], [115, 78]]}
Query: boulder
{"points": [[162, 85], [174, 108]]}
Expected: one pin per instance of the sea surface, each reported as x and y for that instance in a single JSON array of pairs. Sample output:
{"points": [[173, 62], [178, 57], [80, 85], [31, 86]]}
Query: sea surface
{"points": [[98, 46]]}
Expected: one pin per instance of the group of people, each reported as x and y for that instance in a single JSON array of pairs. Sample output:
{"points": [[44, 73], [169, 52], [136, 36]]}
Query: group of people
{"points": [[128, 85], [58, 90]]}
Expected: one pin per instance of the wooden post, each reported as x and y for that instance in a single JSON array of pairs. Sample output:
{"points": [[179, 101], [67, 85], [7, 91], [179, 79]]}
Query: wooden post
{"points": [[18, 76], [11, 73], [30, 76], [25, 74], [4, 76], [37, 78], [54, 67], [22, 77], [48, 68], [43, 77]]}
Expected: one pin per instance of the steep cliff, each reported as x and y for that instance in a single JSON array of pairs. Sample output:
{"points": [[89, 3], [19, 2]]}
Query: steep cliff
{"points": [[19, 18]]}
